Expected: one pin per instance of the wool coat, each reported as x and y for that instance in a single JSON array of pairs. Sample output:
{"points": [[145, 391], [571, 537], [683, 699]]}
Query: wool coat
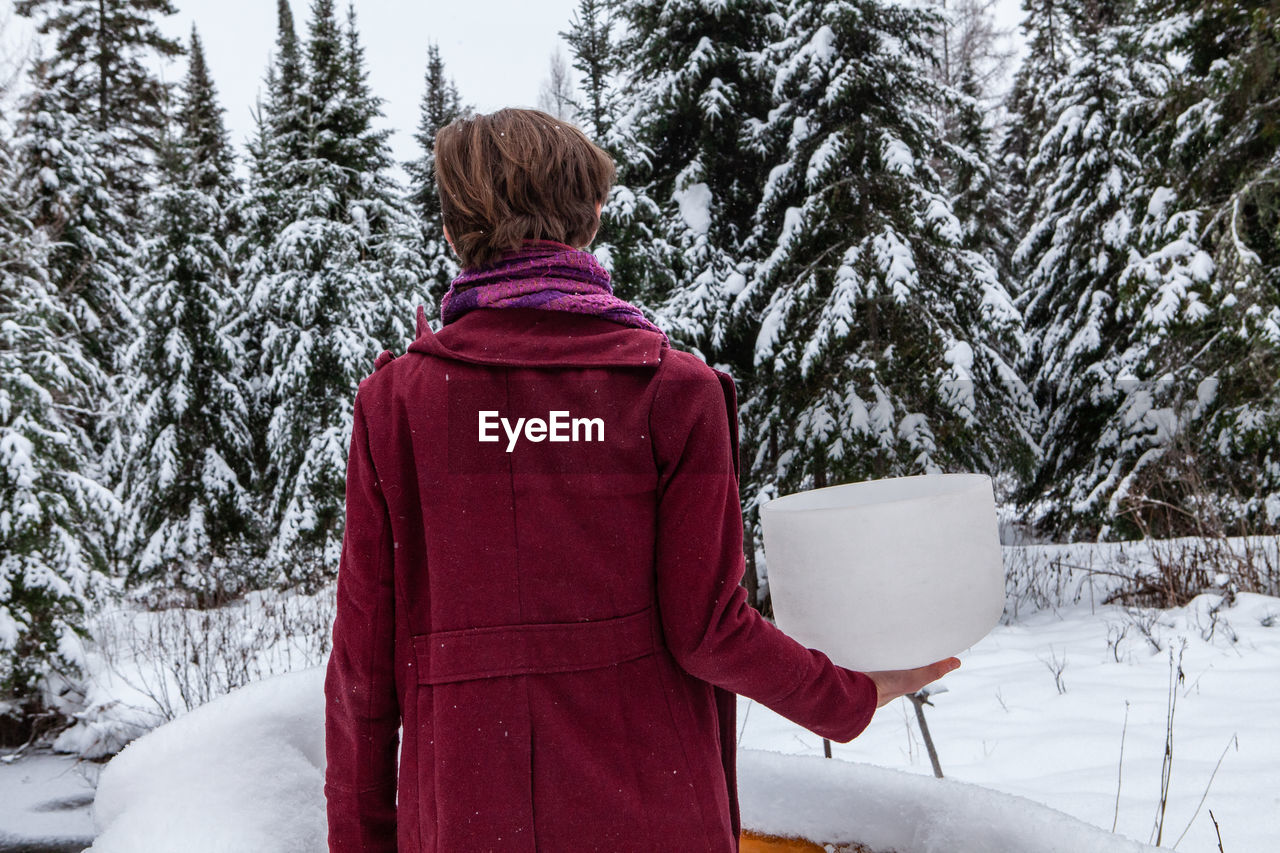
{"points": [[546, 622]]}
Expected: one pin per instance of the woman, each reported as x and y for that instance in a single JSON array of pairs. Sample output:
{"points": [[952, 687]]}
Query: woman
{"points": [[540, 572]]}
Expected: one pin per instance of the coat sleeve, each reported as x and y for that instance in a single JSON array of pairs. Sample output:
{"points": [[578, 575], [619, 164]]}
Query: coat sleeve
{"points": [[362, 710], [711, 630]]}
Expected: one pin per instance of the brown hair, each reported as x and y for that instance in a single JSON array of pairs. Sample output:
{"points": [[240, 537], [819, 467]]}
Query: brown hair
{"points": [[516, 175]]}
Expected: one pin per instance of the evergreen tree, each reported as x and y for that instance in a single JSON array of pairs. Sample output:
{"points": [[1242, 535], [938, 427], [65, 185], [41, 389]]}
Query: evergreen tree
{"points": [[1192, 447], [104, 53], [185, 482], [281, 126], [1112, 271], [979, 190], [90, 262], [694, 83], [90, 259], [631, 243], [207, 160], [884, 346], [595, 56], [52, 509], [334, 285], [277, 153], [440, 105], [1046, 31]]}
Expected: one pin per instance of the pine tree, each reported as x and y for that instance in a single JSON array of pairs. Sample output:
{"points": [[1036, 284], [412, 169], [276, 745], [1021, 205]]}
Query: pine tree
{"points": [[281, 126], [1195, 437], [884, 347], [1112, 271], [185, 484], [90, 260], [693, 85], [90, 263], [631, 243], [277, 153], [104, 53], [440, 105], [52, 510], [100, 112], [595, 56], [1047, 33], [334, 285], [979, 190]]}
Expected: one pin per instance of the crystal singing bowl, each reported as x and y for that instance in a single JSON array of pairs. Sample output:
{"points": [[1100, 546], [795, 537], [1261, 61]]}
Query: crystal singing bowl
{"points": [[886, 574]]}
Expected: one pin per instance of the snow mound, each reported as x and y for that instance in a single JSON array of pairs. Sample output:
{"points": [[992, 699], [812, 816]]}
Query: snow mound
{"points": [[246, 772], [242, 772], [837, 802]]}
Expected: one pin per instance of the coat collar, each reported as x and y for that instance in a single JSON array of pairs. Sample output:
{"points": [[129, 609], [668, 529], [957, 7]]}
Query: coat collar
{"points": [[533, 337]]}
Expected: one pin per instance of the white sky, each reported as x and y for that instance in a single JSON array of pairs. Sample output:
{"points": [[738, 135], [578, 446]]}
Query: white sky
{"points": [[497, 51]]}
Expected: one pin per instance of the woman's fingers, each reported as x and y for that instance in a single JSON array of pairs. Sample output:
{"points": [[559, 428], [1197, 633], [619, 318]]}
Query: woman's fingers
{"points": [[892, 683]]}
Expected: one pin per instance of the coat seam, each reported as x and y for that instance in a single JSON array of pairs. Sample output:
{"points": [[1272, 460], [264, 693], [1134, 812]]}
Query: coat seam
{"points": [[385, 524], [653, 404]]}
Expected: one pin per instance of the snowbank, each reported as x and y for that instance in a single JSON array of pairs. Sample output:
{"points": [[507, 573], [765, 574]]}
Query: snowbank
{"points": [[246, 772], [243, 772], [840, 802]]}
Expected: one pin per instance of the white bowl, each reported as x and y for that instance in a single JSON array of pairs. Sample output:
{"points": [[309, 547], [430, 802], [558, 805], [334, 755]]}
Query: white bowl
{"points": [[886, 574]]}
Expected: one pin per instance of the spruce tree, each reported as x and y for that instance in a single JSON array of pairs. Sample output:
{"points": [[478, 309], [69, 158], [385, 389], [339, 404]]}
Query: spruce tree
{"points": [[1048, 36], [91, 260], [1111, 271], [978, 188], [185, 484], [334, 285], [631, 243], [104, 56], [71, 202], [280, 139], [1197, 433], [590, 40], [440, 105], [884, 346], [53, 511], [694, 84]]}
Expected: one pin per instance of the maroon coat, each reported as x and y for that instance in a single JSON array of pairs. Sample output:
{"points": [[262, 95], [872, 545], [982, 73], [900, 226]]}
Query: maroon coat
{"points": [[558, 624]]}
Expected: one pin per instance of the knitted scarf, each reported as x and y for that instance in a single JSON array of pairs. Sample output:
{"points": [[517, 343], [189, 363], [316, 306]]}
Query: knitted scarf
{"points": [[542, 274]]}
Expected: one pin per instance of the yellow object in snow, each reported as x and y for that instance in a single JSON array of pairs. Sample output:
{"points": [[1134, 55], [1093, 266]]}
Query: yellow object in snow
{"points": [[754, 842]]}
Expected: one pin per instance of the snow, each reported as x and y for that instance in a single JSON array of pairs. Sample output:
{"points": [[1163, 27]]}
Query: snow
{"points": [[960, 356], [840, 802], [1004, 725], [897, 155], [1031, 756], [243, 772], [821, 160], [46, 796], [695, 206], [258, 754]]}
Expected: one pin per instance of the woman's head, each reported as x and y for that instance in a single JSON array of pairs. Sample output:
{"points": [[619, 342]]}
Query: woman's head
{"points": [[516, 175]]}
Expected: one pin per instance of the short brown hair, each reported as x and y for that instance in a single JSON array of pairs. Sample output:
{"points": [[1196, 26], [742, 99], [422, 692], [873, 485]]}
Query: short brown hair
{"points": [[516, 175]]}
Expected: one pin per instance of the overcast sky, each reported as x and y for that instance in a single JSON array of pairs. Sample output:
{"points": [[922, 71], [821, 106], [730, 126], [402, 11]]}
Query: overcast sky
{"points": [[498, 51]]}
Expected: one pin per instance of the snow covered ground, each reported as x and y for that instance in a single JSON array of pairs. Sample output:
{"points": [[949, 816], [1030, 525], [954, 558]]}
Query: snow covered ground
{"points": [[1004, 723], [46, 797], [1037, 711], [258, 754]]}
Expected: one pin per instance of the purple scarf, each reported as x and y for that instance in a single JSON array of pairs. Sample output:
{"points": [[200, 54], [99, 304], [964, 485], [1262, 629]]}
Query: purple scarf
{"points": [[543, 274]]}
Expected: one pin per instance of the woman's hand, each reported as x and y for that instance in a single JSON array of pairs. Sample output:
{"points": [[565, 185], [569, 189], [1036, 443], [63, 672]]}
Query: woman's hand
{"points": [[892, 683]]}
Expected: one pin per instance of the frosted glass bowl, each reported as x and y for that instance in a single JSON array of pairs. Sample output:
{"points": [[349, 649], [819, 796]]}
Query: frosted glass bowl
{"points": [[886, 574]]}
